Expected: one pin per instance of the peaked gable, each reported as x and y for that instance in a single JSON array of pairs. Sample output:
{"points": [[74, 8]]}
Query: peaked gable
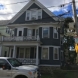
{"points": [[33, 4]]}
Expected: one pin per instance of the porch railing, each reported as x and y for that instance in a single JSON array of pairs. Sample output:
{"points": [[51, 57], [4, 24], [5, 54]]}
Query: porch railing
{"points": [[20, 38], [27, 61]]}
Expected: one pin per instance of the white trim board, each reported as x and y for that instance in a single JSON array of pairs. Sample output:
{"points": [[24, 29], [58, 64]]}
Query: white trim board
{"points": [[28, 5]]}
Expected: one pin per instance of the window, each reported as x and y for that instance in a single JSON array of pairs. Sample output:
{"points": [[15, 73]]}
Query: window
{"points": [[45, 32], [27, 53], [33, 14], [39, 14], [55, 33], [3, 62], [37, 32], [5, 53], [20, 33], [7, 30], [14, 62], [45, 54], [55, 53], [21, 53], [28, 15], [29, 33]]}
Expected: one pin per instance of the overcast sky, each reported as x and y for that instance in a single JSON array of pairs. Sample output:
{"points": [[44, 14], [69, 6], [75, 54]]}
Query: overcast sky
{"points": [[7, 9]]}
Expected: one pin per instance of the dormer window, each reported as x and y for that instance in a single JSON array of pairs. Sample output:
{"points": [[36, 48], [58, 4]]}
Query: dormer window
{"points": [[28, 15], [33, 14]]}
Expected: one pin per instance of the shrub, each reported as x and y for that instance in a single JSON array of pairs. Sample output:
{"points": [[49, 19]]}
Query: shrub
{"points": [[59, 73]]}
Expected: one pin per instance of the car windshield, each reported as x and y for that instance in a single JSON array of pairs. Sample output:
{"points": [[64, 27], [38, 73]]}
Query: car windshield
{"points": [[14, 62]]}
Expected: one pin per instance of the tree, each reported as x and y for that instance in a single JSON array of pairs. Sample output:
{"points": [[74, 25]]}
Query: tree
{"points": [[69, 55]]}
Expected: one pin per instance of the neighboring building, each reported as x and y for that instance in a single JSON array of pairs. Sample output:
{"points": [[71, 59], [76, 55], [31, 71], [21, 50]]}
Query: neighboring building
{"points": [[4, 31], [36, 38]]}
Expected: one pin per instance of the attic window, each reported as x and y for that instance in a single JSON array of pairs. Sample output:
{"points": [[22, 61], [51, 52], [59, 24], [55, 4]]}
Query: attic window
{"points": [[33, 14]]}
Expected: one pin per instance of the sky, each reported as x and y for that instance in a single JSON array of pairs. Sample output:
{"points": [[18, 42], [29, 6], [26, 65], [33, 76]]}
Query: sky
{"points": [[8, 11]]}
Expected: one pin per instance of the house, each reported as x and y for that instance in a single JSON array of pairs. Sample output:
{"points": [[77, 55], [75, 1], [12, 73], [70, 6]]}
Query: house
{"points": [[4, 31], [36, 38]]}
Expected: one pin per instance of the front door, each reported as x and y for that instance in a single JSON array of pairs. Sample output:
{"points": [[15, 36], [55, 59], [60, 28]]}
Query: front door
{"points": [[4, 73]]}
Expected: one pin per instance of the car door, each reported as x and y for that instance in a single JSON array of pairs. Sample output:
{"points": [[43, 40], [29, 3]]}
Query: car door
{"points": [[4, 73]]}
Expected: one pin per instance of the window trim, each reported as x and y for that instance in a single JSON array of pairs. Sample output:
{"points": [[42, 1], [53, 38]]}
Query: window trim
{"points": [[56, 32], [42, 51], [57, 52], [48, 32]]}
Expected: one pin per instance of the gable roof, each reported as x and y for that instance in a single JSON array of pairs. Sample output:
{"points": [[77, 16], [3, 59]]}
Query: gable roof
{"points": [[28, 5], [4, 22]]}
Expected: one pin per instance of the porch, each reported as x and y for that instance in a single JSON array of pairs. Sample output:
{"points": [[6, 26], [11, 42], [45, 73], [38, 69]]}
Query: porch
{"points": [[25, 54], [19, 38]]}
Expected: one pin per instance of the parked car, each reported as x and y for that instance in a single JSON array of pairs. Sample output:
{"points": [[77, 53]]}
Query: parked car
{"points": [[12, 68]]}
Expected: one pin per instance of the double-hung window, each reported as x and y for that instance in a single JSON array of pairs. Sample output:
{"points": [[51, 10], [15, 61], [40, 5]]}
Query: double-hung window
{"points": [[37, 32], [33, 14], [45, 32], [45, 53], [39, 14], [55, 33], [28, 15], [55, 53]]}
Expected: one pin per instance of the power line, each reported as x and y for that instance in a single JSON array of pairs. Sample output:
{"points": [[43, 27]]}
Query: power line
{"points": [[28, 1], [16, 3], [41, 8]]}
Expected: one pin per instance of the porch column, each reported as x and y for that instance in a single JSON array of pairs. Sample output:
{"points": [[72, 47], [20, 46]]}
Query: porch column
{"points": [[14, 51], [37, 56], [0, 50]]}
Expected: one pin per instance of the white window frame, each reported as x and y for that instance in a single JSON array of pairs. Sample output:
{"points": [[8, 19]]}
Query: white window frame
{"points": [[30, 12], [48, 31], [54, 53], [42, 51], [56, 32]]}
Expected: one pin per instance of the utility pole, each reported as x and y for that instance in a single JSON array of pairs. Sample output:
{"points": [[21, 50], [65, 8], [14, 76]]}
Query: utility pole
{"points": [[76, 24], [75, 16]]}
